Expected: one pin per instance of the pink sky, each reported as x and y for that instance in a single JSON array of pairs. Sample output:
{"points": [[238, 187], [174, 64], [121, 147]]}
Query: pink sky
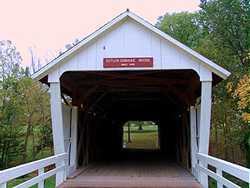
{"points": [[47, 25]]}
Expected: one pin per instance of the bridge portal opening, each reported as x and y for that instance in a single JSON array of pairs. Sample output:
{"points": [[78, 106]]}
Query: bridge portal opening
{"points": [[140, 135], [108, 100]]}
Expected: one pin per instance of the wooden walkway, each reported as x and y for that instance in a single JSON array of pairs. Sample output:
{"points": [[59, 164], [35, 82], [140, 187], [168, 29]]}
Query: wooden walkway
{"points": [[129, 174]]}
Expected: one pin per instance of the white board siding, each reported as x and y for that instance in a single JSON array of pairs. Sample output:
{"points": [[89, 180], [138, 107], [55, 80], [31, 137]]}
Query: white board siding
{"points": [[130, 40], [114, 24], [70, 139]]}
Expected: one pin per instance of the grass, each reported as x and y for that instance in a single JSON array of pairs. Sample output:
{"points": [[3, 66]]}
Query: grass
{"points": [[145, 128], [147, 138]]}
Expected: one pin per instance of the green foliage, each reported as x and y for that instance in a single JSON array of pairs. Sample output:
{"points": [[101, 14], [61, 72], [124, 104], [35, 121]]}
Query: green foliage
{"points": [[10, 59], [228, 23], [182, 26], [10, 144], [221, 32], [24, 111]]}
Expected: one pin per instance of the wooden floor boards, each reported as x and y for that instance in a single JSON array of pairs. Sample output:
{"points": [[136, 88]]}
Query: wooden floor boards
{"points": [[136, 174]]}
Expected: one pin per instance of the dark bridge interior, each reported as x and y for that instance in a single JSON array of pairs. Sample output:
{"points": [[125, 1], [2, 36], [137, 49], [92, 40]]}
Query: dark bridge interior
{"points": [[108, 99]]}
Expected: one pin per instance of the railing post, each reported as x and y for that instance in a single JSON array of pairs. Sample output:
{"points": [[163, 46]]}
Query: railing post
{"points": [[40, 172], [3, 185], [219, 172], [201, 176]]}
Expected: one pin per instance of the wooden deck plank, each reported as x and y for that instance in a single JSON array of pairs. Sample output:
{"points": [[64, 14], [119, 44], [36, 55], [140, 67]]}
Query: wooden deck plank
{"points": [[133, 175]]}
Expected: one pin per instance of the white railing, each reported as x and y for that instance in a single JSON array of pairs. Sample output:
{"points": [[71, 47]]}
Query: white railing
{"points": [[221, 166], [15, 172]]}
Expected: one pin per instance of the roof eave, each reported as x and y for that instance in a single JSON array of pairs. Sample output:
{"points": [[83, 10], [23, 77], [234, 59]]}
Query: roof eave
{"points": [[218, 70], [44, 70], [213, 67]]}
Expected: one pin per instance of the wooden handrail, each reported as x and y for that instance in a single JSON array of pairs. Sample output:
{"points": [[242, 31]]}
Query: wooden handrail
{"points": [[221, 166], [15, 172]]}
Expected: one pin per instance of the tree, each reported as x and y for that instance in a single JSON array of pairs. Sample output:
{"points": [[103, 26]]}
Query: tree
{"points": [[243, 93], [10, 59], [35, 116], [9, 122], [24, 111], [228, 25], [228, 22], [182, 26], [10, 144], [219, 31]]}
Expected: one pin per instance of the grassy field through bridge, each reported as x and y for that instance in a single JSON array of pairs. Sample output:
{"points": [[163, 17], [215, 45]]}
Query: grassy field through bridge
{"points": [[143, 135]]}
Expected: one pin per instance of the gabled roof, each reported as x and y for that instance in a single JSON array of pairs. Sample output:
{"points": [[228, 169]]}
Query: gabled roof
{"points": [[213, 67]]}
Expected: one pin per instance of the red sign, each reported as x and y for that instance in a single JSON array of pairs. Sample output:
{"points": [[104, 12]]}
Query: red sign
{"points": [[128, 62]]}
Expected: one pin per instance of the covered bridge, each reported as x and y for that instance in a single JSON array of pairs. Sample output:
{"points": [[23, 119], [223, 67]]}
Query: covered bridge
{"points": [[130, 70]]}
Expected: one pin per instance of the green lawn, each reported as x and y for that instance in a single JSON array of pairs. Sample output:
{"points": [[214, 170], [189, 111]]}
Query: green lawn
{"points": [[147, 138]]}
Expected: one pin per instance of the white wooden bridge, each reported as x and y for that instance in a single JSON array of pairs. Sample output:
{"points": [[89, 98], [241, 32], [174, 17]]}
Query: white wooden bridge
{"points": [[129, 70]]}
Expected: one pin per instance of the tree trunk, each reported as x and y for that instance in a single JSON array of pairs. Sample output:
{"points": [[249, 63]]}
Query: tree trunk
{"points": [[140, 126], [129, 136], [33, 146], [216, 138]]}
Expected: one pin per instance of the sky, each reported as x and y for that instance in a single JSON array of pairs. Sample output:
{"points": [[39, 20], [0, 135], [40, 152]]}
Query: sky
{"points": [[46, 26]]}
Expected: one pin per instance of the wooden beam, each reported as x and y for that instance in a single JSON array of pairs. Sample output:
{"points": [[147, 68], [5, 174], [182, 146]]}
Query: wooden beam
{"points": [[57, 125], [131, 82], [193, 136], [80, 96], [205, 117]]}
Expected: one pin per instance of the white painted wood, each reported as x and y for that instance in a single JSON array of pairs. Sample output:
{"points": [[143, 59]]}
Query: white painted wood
{"points": [[56, 115], [40, 178], [220, 174], [203, 177], [206, 62], [198, 115], [122, 41], [70, 140], [218, 178], [128, 41], [197, 135], [73, 156], [205, 117], [41, 183], [42, 72], [230, 168], [66, 110], [15, 172], [193, 143], [57, 126]]}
